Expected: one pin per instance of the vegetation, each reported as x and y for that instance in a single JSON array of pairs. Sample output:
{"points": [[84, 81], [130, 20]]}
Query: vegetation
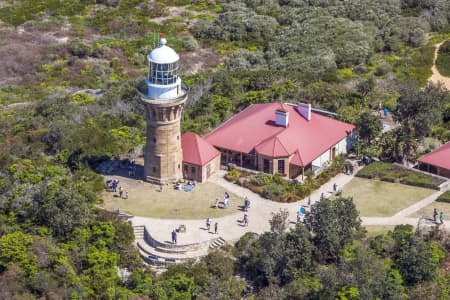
{"points": [[342, 56], [443, 59], [445, 197], [276, 188], [392, 173], [377, 198]]}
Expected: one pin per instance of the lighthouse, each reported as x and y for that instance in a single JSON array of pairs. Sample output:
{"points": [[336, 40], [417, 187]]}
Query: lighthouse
{"points": [[164, 96]]}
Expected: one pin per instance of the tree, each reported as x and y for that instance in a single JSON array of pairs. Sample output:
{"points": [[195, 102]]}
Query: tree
{"points": [[369, 127], [419, 109], [279, 221], [333, 224]]}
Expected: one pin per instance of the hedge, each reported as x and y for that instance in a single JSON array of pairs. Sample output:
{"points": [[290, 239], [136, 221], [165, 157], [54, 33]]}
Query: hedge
{"points": [[391, 173], [445, 197]]}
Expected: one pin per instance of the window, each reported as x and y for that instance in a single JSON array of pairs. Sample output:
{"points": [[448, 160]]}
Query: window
{"points": [[178, 166], [154, 140], [281, 166], [266, 166], [163, 73], [154, 169], [185, 168], [193, 170]]}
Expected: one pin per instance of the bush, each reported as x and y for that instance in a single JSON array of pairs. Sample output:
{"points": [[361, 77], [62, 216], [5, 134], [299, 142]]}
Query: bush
{"points": [[443, 59], [445, 197], [233, 175], [260, 179], [391, 173], [273, 191]]}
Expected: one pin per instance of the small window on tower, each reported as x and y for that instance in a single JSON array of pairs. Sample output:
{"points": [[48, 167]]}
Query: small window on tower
{"points": [[178, 137], [154, 169], [179, 166], [154, 140]]}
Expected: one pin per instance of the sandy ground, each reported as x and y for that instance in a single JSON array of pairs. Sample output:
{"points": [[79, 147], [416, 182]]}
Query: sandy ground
{"points": [[437, 77]]}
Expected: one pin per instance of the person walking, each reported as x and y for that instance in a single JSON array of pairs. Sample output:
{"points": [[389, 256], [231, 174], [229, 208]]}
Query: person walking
{"points": [[334, 187], [441, 217], [246, 203], [309, 200], [160, 187], [216, 228], [208, 223], [126, 194], [225, 203], [245, 218], [435, 214]]}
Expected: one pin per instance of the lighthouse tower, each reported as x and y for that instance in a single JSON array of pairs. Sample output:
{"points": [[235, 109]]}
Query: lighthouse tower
{"points": [[164, 96]]}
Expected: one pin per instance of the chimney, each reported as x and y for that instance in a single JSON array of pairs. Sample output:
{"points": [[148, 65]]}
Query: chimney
{"points": [[281, 117], [305, 110]]}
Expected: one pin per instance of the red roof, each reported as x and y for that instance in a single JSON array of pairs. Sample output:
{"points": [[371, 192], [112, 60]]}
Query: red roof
{"points": [[254, 129], [439, 157], [196, 150]]}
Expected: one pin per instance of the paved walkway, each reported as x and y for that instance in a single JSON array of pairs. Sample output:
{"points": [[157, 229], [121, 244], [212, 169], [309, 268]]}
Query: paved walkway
{"points": [[260, 212], [231, 227]]}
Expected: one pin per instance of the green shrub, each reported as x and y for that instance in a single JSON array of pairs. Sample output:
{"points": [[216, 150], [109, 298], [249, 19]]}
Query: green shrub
{"points": [[273, 191], [445, 197], [233, 175], [391, 173], [443, 59], [260, 179]]}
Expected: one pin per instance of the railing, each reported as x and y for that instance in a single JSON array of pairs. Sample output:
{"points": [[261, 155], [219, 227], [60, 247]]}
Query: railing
{"points": [[142, 89]]}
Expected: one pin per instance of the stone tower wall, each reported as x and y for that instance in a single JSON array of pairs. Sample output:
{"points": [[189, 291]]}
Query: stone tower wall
{"points": [[163, 156]]}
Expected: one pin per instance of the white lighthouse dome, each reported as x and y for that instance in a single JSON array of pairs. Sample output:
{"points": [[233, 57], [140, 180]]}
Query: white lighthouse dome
{"points": [[163, 54]]}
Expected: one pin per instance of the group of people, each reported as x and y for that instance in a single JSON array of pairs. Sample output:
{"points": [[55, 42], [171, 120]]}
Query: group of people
{"points": [[226, 199], [208, 225], [113, 186], [441, 216]]}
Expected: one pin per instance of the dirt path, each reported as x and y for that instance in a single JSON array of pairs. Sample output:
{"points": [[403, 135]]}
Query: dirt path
{"points": [[437, 77]]}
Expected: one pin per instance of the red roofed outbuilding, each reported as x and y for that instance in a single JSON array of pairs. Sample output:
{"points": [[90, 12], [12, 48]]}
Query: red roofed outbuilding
{"points": [[200, 159], [437, 162], [282, 138]]}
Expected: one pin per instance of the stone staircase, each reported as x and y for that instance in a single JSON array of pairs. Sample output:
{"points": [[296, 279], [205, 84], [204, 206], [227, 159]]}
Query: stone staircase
{"points": [[161, 254], [139, 232], [217, 243]]}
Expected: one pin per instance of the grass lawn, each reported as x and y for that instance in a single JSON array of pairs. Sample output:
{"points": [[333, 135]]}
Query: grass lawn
{"points": [[145, 200], [428, 210], [375, 198], [374, 230]]}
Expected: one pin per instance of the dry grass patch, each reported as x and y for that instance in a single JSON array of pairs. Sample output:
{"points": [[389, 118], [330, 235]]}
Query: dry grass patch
{"points": [[376, 198], [145, 200]]}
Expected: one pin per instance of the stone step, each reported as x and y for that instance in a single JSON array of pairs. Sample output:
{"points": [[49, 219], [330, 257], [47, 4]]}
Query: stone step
{"points": [[169, 257], [217, 243]]}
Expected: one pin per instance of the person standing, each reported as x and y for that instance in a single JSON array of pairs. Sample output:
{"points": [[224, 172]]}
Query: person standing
{"points": [[334, 187], [120, 192], [216, 228], [225, 202], [441, 217], [126, 194], [160, 187], [208, 223], [174, 237], [217, 203], [435, 214]]}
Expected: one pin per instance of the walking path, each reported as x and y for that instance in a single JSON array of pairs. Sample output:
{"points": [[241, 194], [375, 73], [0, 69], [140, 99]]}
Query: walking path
{"points": [[231, 227], [437, 77]]}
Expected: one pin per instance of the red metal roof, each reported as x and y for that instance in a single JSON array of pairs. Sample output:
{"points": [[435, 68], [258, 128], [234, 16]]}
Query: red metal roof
{"points": [[254, 129], [196, 150], [439, 157]]}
